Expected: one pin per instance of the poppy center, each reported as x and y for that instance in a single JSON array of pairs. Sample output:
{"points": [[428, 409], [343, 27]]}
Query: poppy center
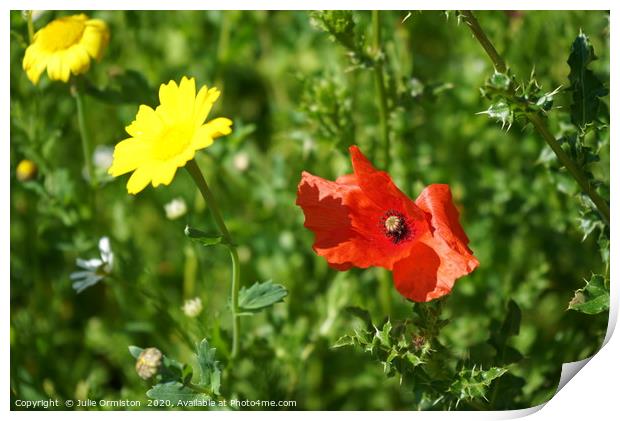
{"points": [[395, 226]]}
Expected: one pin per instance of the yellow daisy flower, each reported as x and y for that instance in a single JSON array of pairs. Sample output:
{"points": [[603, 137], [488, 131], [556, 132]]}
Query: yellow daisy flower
{"points": [[165, 138], [64, 46]]}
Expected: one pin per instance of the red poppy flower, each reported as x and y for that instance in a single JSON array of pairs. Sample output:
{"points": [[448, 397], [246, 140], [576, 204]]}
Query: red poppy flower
{"points": [[363, 219]]}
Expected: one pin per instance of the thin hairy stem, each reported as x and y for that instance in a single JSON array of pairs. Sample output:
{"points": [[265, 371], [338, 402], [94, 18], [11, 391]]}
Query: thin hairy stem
{"points": [[201, 183]]}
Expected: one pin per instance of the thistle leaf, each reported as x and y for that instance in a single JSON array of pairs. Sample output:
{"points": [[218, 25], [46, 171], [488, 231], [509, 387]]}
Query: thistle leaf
{"points": [[585, 86], [593, 298]]}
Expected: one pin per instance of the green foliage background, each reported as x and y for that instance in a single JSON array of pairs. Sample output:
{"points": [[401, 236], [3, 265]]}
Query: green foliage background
{"points": [[297, 101]]}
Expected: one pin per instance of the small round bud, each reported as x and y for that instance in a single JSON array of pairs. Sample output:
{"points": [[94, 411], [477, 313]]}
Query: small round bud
{"points": [[26, 170], [192, 307], [148, 363]]}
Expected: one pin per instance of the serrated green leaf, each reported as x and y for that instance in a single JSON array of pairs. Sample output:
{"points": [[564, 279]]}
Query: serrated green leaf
{"points": [[384, 334], [135, 351], [175, 392], [345, 340], [593, 298], [260, 296], [210, 373], [586, 88], [473, 384], [202, 237], [413, 359]]}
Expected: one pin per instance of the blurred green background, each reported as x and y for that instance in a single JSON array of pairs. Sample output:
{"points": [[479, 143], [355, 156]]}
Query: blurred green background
{"points": [[296, 103]]}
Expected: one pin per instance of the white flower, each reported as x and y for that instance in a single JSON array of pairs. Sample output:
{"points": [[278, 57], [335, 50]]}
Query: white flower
{"points": [[94, 270], [241, 161], [176, 208], [192, 307]]}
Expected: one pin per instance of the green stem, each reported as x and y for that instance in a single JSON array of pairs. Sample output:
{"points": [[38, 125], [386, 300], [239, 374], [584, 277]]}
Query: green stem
{"points": [[570, 165], [476, 29], [30, 26], [86, 143], [194, 171], [380, 87], [538, 123]]}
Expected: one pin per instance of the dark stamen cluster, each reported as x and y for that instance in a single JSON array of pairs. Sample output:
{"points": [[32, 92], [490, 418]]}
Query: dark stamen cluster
{"points": [[395, 227]]}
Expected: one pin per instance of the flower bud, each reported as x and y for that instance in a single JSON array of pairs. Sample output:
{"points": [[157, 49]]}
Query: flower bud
{"points": [[148, 362], [193, 307], [26, 170]]}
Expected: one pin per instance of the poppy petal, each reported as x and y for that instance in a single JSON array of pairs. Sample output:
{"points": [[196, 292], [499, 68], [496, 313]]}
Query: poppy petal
{"points": [[415, 277], [436, 200], [377, 185], [431, 269]]}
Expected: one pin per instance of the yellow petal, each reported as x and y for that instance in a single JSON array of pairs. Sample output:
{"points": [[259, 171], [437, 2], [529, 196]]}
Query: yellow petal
{"points": [[139, 179], [79, 61], [204, 103], [219, 127], [164, 173], [54, 67], [129, 154], [147, 123], [65, 66], [187, 94], [95, 38], [169, 108], [202, 138], [34, 63]]}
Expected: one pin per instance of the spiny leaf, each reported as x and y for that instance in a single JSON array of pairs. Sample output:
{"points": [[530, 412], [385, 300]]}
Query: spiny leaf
{"points": [[175, 392], [384, 334], [593, 298], [585, 86], [210, 373], [345, 340], [260, 296], [472, 383], [501, 112]]}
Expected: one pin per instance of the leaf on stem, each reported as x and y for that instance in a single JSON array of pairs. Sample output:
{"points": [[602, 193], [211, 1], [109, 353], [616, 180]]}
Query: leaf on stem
{"points": [[585, 86], [175, 392], [202, 237], [260, 296], [210, 373], [593, 298]]}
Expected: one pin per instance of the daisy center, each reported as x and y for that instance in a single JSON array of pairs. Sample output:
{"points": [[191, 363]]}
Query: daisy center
{"points": [[61, 34], [395, 226], [171, 142]]}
